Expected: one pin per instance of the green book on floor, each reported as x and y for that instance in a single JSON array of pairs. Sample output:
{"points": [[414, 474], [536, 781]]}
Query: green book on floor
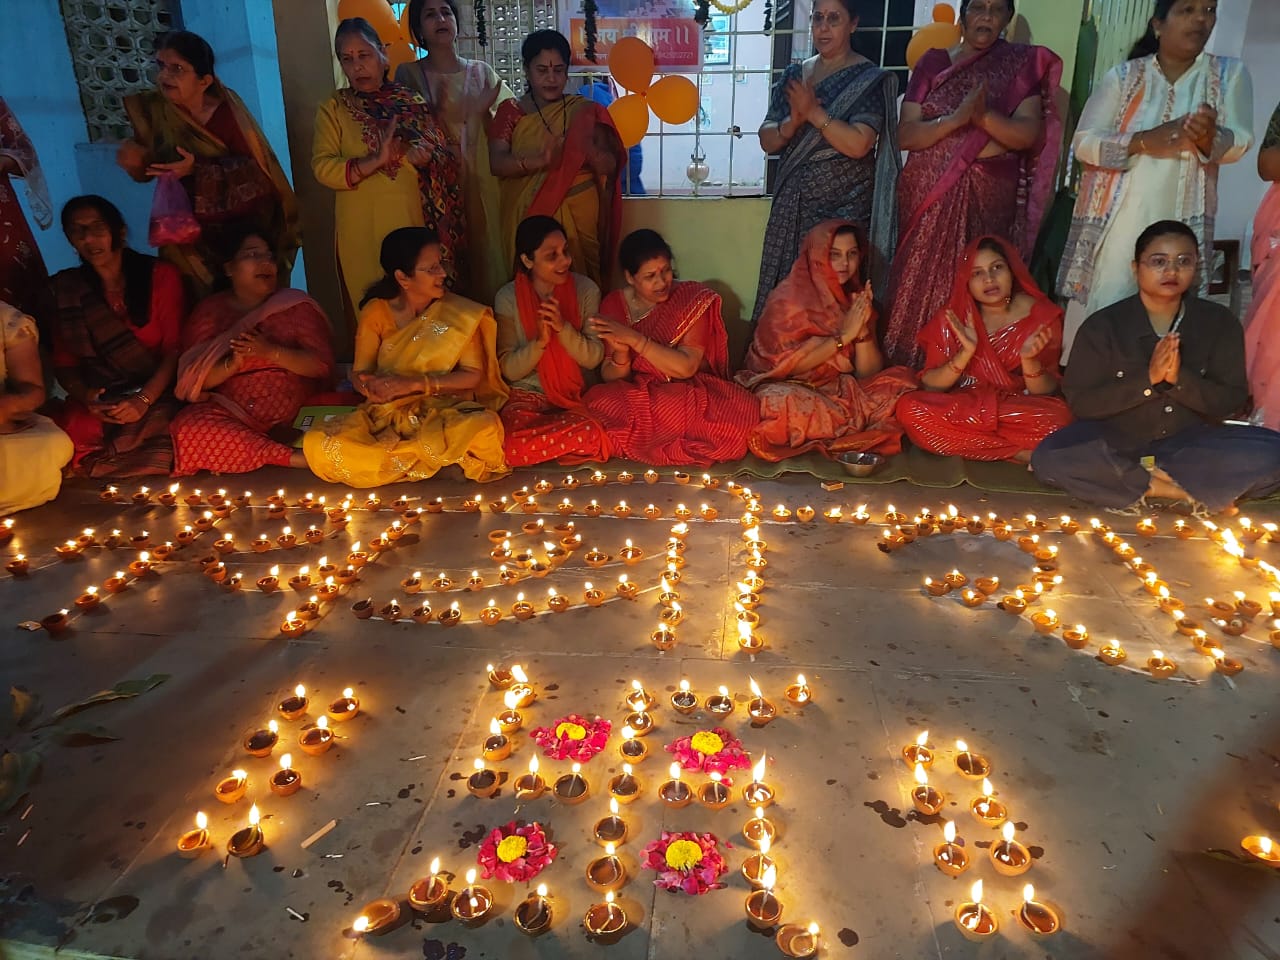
{"points": [[310, 417]]}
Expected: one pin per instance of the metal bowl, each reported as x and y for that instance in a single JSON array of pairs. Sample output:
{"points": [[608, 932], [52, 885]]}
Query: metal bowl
{"points": [[861, 464]]}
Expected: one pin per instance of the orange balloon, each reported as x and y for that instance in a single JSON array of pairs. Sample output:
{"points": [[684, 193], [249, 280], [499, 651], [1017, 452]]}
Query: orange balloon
{"points": [[631, 116], [399, 52], [944, 13], [929, 37], [377, 12], [674, 99], [631, 63]]}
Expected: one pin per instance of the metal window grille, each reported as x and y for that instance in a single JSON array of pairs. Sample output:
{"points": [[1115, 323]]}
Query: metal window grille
{"points": [[742, 61], [113, 46]]}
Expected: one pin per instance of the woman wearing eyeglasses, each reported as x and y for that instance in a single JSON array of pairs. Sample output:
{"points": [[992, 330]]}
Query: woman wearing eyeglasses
{"points": [[253, 355], [426, 362], [1150, 381], [983, 134], [991, 363], [1151, 139], [198, 130], [832, 121]]}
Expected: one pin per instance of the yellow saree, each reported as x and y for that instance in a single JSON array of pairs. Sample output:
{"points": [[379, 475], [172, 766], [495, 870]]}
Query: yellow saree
{"points": [[221, 186], [413, 437], [583, 203]]}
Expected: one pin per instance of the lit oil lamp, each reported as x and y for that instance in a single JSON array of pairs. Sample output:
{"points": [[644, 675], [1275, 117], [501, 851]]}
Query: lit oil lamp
{"points": [[530, 786], [1009, 857], [1160, 666], [430, 895], [917, 752], [1262, 848], [571, 788], [291, 708], [318, 739], [799, 692], [797, 941], [674, 792], [757, 828], [761, 711], [484, 782], [1045, 621], [55, 622], [986, 809], [924, 796], [624, 787], [510, 719], [19, 566], [714, 794], [1245, 607], [719, 704], [627, 589], [610, 830], [948, 856], [260, 743], [558, 603], [622, 510], [754, 866], [497, 747], [521, 691], [1112, 653], [195, 842], [287, 540], [1225, 665], [88, 600], [533, 913], [972, 766], [672, 615], [472, 904], [764, 910], [605, 922], [114, 583], [248, 841], [684, 701], [286, 781], [1075, 637], [1014, 604], [231, 789], [271, 581], [1037, 918], [292, 625], [490, 614], [974, 919], [757, 793], [936, 588], [751, 642]]}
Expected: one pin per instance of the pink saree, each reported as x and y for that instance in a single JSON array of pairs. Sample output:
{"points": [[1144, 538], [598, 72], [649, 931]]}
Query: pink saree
{"points": [[1262, 322], [948, 197]]}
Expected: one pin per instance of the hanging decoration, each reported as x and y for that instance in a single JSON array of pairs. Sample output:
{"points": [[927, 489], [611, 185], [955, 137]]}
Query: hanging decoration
{"points": [[482, 29], [730, 8], [673, 98], [702, 15], [942, 33], [768, 16], [589, 11]]}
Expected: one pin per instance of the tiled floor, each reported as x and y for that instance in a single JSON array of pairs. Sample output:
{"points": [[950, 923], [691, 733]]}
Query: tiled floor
{"points": [[1131, 793]]}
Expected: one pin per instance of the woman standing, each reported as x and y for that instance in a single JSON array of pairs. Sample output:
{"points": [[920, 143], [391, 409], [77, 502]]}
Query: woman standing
{"points": [[546, 352], [826, 118], [253, 354], [667, 398], [33, 450], [117, 331], [558, 155], [379, 147], [814, 362], [1151, 139], [1260, 340], [198, 130], [980, 123], [991, 363], [425, 363], [462, 95], [23, 279]]}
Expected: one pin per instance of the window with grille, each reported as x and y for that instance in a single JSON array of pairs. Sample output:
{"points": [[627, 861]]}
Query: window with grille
{"points": [[741, 62], [113, 48]]}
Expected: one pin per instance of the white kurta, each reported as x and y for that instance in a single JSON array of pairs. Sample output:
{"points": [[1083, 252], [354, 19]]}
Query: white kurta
{"points": [[1153, 188]]}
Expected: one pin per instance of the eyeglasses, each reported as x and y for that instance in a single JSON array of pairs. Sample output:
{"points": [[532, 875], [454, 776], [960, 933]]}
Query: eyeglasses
{"points": [[435, 270], [830, 19], [994, 10], [170, 68], [260, 255], [1159, 262], [994, 272], [79, 231]]}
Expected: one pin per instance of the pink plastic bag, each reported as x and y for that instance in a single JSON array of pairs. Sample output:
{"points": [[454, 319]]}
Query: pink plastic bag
{"points": [[172, 221]]}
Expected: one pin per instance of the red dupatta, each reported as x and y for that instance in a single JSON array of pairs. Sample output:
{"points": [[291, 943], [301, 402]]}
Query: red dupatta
{"points": [[573, 160], [810, 302], [997, 356], [670, 322], [559, 373]]}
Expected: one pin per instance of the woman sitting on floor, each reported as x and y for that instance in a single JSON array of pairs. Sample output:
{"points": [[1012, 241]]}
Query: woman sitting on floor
{"points": [[1151, 379], [425, 362], [117, 331], [544, 351], [33, 450], [814, 363], [253, 355], [667, 399], [991, 363]]}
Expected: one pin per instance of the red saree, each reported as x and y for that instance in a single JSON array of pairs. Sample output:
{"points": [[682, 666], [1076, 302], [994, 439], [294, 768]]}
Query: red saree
{"points": [[947, 196], [825, 408], [554, 424], [987, 415], [695, 422], [23, 279]]}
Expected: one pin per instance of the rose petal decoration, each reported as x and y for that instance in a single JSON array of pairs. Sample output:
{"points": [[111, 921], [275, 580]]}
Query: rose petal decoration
{"points": [[573, 738], [537, 854], [688, 862], [729, 756]]}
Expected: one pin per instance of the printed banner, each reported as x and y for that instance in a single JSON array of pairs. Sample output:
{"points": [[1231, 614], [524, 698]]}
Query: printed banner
{"points": [[666, 25]]}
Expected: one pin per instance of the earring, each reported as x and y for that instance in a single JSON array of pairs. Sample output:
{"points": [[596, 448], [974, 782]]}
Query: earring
{"points": [[1008, 301]]}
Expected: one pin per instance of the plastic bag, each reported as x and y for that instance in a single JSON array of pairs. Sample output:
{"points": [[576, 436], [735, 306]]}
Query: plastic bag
{"points": [[172, 221]]}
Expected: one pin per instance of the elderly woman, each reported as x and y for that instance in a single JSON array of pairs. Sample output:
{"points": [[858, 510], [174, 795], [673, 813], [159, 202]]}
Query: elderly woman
{"points": [[198, 130], [1151, 139], [462, 95], [826, 119], [425, 363], [117, 329], [814, 363], [991, 363], [380, 148], [667, 398], [547, 352], [1262, 342], [980, 124], [253, 355], [33, 450], [558, 155]]}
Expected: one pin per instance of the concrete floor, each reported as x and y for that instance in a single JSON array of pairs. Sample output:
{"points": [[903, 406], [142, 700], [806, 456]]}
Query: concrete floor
{"points": [[1132, 793]]}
